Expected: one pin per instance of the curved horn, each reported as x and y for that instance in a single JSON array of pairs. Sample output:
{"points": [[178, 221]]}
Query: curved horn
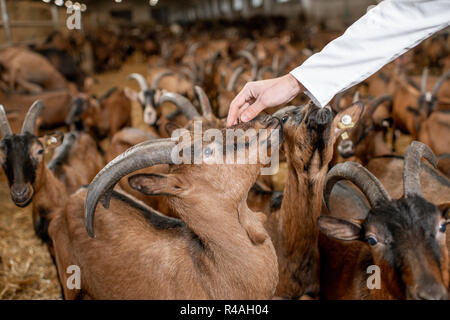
{"points": [[204, 101], [361, 177], [4, 123], [157, 79], [378, 102], [188, 73], [276, 64], [193, 48], [336, 102], [282, 111], [181, 102], [356, 97], [440, 82], [262, 71], [30, 119], [234, 76], [143, 155], [140, 79], [252, 60], [423, 85], [412, 167]]}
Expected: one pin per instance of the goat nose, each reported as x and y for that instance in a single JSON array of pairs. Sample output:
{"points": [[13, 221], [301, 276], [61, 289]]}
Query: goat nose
{"points": [[433, 292], [19, 190]]}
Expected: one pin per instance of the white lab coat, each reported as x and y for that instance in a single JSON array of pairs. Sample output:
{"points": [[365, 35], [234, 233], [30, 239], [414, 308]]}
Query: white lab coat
{"points": [[385, 32]]}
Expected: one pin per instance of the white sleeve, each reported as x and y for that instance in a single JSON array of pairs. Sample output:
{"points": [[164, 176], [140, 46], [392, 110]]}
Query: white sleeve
{"points": [[381, 35]]}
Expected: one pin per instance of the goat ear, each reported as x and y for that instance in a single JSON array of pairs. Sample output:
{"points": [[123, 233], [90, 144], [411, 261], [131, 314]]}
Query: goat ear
{"points": [[171, 127], [156, 184], [339, 228], [51, 141], [351, 115], [252, 222], [131, 94]]}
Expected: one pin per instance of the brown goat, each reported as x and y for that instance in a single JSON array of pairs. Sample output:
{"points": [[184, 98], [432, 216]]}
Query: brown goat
{"points": [[403, 239], [102, 117], [310, 133], [22, 158], [57, 107], [220, 249], [30, 71], [366, 139]]}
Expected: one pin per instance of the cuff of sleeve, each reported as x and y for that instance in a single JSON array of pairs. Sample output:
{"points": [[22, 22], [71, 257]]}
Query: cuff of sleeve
{"points": [[311, 90]]}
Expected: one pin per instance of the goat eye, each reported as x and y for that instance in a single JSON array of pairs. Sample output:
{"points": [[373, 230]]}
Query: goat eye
{"points": [[208, 151], [372, 240], [284, 119], [443, 228]]}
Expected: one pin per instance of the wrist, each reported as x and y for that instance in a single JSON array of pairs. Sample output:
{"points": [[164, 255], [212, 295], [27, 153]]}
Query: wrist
{"points": [[295, 85]]}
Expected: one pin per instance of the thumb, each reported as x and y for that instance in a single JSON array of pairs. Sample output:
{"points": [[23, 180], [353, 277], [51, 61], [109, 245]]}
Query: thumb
{"points": [[252, 111]]}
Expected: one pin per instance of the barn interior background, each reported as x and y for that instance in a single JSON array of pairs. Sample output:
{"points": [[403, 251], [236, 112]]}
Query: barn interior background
{"points": [[119, 37]]}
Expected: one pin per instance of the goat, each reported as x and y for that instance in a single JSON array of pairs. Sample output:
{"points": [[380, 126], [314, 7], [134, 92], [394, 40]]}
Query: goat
{"points": [[220, 249], [30, 180], [102, 117], [310, 133], [366, 139], [125, 139], [411, 106], [404, 238], [30, 71], [57, 108]]}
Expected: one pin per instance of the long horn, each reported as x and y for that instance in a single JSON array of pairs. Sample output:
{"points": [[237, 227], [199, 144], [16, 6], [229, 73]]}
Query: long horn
{"points": [[181, 102], [30, 119], [193, 48], [140, 79], [204, 101], [361, 177], [4, 123], [356, 97], [143, 155], [378, 102], [276, 64], [440, 82], [252, 60], [234, 76], [336, 102], [158, 78], [423, 85], [412, 167], [262, 71], [280, 113]]}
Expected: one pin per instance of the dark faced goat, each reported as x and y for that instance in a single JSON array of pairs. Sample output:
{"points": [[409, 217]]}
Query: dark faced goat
{"points": [[403, 239], [22, 158]]}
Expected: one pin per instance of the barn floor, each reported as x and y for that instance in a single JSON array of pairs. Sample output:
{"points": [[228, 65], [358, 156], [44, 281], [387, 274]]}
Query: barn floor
{"points": [[26, 268]]}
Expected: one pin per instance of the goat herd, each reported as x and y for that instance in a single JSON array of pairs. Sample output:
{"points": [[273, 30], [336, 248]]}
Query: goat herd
{"points": [[356, 218]]}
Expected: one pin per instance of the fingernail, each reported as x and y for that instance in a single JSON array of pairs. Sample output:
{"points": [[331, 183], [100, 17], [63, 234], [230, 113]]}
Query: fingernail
{"points": [[244, 117]]}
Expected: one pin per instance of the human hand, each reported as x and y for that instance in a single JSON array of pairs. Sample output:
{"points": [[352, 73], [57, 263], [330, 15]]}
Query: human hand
{"points": [[258, 95]]}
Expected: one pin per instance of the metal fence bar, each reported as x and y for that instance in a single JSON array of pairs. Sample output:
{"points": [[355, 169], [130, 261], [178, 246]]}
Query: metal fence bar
{"points": [[27, 24], [5, 21], [55, 16]]}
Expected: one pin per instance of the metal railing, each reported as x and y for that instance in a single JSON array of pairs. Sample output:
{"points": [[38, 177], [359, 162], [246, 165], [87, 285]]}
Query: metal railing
{"points": [[7, 25]]}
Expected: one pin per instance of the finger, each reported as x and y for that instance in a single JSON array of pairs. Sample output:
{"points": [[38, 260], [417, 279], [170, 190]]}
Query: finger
{"points": [[242, 109], [252, 111], [235, 105]]}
